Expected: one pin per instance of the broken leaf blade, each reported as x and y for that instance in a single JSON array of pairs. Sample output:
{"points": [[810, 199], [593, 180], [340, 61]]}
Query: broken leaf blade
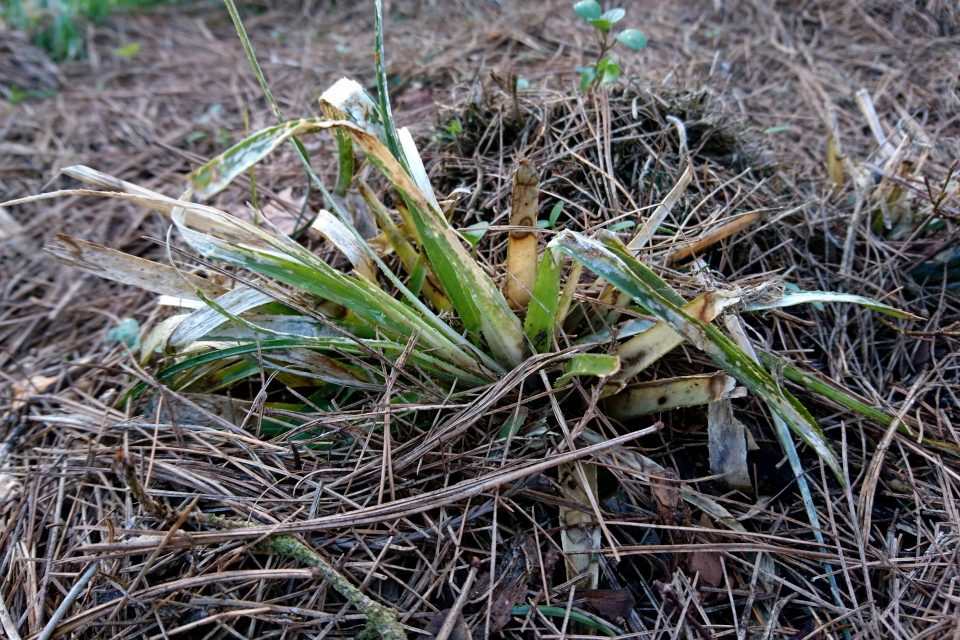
{"points": [[588, 364], [645, 398]]}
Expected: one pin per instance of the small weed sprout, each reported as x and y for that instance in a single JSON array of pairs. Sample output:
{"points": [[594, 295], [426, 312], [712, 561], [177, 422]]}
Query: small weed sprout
{"points": [[605, 69]]}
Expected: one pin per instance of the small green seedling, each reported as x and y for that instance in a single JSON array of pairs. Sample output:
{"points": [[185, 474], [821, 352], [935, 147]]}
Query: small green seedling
{"points": [[128, 51], [554, 216], [605, 70]]}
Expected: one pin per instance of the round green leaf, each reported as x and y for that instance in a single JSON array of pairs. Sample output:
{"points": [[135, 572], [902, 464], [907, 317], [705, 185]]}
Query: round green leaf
{"points": [[588, 9], [611, 72], [633, 38], [614, 15], [586, 79], [600, 23]]}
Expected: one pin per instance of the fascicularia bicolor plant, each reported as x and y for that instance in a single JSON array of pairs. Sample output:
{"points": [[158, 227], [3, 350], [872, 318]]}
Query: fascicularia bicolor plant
{"points": [[442, 321]]}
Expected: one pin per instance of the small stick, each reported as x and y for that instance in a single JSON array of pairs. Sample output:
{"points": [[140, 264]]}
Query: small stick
{"points": [[48, 630], [7, 622], [453, 614]]}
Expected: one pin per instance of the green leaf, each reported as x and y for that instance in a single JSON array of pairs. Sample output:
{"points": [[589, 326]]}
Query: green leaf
{"points": [[216, 175], [474, 232], [622, 226], [588, 9], [512, 424], [600, 23], [540, 319], [611, 72], [573, 614], [128, 51], [544, 224], [390, 129], [555, 213], [816, 297], [588, 364], [127, 332], [614, 15], [611, 261], [771, 130], [632, 38], [587, 78], [794, 288]]}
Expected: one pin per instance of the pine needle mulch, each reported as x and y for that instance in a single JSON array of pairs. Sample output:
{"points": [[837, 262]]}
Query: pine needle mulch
{"points": [[750, 93]]}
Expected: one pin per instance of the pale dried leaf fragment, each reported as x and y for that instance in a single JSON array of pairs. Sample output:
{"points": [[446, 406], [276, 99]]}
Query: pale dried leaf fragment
{"points": [[126, 269], [28, 387], [8, 226], [576, 535], [336, 233], [728, 446]]}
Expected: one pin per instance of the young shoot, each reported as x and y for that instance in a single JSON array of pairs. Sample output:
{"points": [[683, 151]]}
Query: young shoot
{"points": [[605, 70]]}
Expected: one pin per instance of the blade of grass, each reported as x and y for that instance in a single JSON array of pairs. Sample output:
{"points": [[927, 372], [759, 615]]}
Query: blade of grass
{"points": [[412, 299], [390, 130], [407, 254], [126, 269], [481, 306], [217, 174], [789, 299]]}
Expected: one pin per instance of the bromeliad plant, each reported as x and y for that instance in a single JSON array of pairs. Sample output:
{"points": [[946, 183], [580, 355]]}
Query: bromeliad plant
{"points": [[311, 324], [442, 322]]}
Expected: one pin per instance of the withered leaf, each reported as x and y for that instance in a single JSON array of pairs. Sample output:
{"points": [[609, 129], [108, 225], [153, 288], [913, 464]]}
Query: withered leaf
{"points": [[514, 570], [505, 597], [610, 603], [461, 631], [708, 565], [666, 494]]}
